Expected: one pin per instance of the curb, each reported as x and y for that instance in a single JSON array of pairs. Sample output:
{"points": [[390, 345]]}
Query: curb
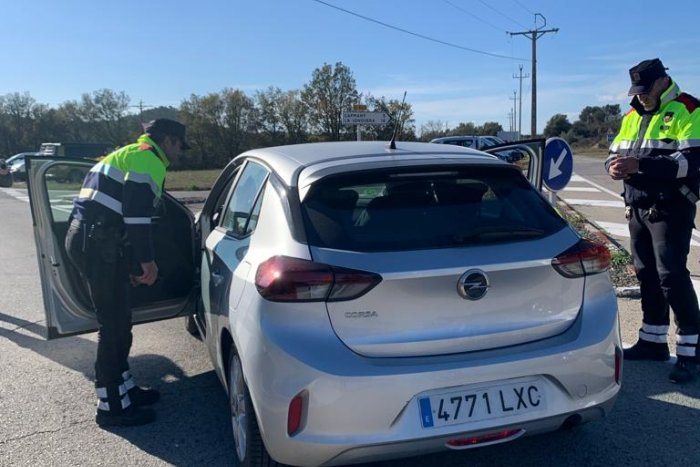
{"points": [[628, 292]]}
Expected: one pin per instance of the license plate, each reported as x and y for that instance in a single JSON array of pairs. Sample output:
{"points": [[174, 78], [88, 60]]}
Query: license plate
{"points": [[467, 405]]}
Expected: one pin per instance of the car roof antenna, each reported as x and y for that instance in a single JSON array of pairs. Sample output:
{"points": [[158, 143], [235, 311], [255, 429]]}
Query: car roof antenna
{"points": [[392, 143]]}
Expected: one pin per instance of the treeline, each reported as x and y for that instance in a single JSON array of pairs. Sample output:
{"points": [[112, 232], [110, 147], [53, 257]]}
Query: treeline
{"points": [[220, 125], [226, 123], [592, 128]]}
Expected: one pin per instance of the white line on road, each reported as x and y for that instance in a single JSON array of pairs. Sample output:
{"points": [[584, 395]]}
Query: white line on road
{"points": [[581, 188], [605, 203]]}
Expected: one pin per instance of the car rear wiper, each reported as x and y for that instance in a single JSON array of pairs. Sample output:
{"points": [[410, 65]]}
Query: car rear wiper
{"points": [[496, 233]]}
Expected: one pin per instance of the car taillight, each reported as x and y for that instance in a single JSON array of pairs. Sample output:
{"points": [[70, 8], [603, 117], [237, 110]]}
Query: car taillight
{"points": [[583, 259], [285, 279]]}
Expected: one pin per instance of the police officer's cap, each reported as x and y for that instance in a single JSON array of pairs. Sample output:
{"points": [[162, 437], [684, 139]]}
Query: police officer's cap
{"points": [[167, 127], [644, 74]]}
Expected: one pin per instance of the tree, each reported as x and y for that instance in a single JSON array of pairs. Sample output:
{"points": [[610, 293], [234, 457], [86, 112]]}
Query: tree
{"points": [[330, 92], [433, 129], [220, 126], [293, 117], [595, 122], [270, 121], [400, 117], [463, 129], [556, 126], [17, 113], [489, 129], [106, 115]]}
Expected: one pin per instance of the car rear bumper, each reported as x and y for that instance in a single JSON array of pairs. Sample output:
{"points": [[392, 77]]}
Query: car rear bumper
{"points": [[358, 409]]}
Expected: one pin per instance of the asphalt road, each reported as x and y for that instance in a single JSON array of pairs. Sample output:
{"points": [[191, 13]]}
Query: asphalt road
{"points": [[47, 399]]}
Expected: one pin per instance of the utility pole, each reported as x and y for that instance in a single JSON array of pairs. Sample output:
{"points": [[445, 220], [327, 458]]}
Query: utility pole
{"points": [[510, 120], [533, 35], [141, 106], [515, 112], [520, 101]]}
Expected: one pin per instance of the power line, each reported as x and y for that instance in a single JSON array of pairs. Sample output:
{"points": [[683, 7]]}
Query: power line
{"points": [[523, 7], [449, 44], [472, 15], [502, 14]]}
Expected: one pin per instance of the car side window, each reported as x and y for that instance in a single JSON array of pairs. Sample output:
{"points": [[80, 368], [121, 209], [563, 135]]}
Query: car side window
{"points": [[241, 212]]}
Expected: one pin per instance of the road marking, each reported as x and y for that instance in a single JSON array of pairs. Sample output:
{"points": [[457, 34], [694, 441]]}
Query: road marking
{"points": [[581, 188], [17, 194], [605, 203], [616, 229]]}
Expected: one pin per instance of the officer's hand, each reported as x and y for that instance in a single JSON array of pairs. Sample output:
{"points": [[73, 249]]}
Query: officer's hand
{"points": [[150, 273], [626, 165]]}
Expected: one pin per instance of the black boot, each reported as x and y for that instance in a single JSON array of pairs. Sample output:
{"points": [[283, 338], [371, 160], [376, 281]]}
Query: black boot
{"points": [[645, 350], [684, 371], [131, 416], [140, 397]]}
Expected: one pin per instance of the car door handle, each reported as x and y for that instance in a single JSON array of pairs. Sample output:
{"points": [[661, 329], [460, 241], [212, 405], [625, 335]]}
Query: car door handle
{"points": [[217, 278]]}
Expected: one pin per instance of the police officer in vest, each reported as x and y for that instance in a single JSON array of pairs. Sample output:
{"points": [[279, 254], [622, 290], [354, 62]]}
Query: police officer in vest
{"points": [[110, 229], [657, 155]]}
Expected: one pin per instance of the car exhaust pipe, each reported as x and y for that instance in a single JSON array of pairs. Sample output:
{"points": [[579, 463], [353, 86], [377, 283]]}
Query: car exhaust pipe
{"points": [[571, 422]]}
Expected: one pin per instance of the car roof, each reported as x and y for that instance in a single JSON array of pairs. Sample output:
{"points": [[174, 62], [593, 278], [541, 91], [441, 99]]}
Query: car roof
{"points": [[452, 138], [288, 161]]}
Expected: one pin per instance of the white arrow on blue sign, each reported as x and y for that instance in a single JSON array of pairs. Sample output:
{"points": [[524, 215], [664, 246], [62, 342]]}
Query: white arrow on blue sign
{"points": [[558, 164]]}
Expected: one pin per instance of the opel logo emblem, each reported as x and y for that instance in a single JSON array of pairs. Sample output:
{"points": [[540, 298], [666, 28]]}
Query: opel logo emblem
{"points": [[473, 284]]}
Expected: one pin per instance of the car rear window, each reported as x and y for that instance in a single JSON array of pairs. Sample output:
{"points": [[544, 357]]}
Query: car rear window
{"points": [[413, 209]]}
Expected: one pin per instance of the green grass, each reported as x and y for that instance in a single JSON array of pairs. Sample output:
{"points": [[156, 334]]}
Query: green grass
{"points": [[191, 179]]}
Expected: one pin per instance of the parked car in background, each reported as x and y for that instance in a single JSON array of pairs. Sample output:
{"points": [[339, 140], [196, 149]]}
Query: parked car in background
{"points": [[17, 166], [481, 143], [363, 302], [93, 151]]}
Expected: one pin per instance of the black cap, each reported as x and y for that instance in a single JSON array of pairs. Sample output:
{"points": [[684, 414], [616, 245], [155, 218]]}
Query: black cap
{"points": [[644, 74], [167, 127]]}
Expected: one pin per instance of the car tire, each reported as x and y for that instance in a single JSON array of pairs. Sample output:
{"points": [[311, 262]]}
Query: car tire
{"points": [[249, 446]]}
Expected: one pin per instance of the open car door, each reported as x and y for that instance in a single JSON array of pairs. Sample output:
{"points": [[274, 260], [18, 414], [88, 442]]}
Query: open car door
{"points": [[527, 154], [52, 184]]}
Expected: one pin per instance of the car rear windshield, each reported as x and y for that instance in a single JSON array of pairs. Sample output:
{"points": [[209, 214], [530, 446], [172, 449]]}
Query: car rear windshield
{"points": [[413, 209]]}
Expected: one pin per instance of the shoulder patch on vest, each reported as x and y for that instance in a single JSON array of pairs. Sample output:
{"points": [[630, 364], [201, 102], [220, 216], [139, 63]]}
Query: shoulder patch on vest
{"points": [[631, 109], [145, 147], [690, 102]]}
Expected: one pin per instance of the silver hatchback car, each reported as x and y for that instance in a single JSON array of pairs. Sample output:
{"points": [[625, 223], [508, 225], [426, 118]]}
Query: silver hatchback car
{"points": [[361, 302]]}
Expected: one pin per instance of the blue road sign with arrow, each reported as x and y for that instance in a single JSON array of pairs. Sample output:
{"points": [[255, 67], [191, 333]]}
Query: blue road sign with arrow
{"points": [[558, 164]]}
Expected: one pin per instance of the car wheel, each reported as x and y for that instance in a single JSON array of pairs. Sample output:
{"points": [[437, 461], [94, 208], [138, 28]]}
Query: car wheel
{"points": [[250, 450]]}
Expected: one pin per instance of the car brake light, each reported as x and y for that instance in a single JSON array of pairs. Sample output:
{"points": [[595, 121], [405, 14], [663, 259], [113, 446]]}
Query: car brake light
{"points": [[285, 279], [583, 259]]}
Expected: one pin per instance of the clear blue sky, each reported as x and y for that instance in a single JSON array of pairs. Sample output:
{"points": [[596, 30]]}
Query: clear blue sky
{"points": [[162, 51]]}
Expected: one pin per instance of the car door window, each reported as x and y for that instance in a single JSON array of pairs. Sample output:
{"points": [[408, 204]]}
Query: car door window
{"points": [[241, 212]]}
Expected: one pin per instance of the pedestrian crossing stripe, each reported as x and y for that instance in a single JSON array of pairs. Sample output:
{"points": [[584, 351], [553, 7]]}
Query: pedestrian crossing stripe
{"points": [[605, 203]]}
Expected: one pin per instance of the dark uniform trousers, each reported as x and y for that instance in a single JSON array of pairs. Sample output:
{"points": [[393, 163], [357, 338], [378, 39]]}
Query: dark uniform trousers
{"points": [[98, 252], [660, 245]]}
